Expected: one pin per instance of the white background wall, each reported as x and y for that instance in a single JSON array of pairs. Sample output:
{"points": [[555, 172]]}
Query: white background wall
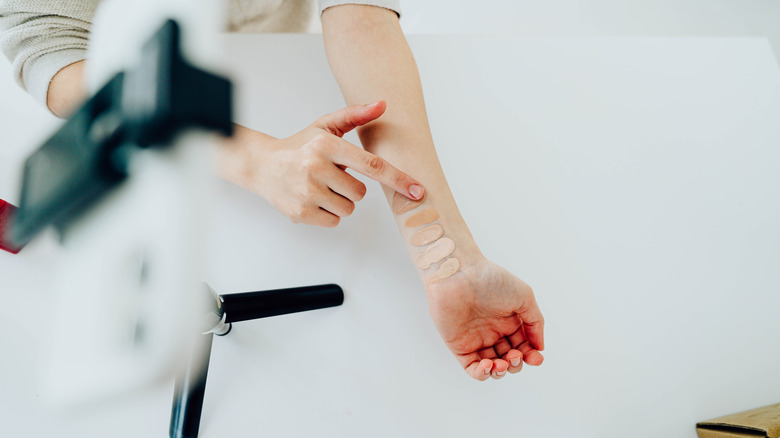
{"points": [[595, 17], [563, 17], [23, 123]]}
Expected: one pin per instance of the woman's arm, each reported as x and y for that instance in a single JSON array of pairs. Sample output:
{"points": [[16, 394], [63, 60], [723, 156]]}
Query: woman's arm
{"points": [[67, 90], [303, 175], [487, 317], [45, 40]]}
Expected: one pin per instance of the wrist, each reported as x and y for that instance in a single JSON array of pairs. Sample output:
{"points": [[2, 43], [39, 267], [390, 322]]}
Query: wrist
{"points": [[462, 261], [239, 156], [465, 256], [438, 241]]}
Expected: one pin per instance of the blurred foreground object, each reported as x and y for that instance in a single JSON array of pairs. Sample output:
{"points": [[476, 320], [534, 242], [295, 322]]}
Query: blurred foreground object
{"points": [[7, 212], [142, 108], [124, 182]]}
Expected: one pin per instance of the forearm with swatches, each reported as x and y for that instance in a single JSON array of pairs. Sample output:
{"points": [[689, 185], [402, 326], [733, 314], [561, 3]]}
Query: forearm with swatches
{"points": [[371, 60]]}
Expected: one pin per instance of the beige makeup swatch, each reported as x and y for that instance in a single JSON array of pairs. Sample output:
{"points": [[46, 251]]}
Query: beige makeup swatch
{"points": [[422, 218], [432, 254], [402, 204], [427, 235], [446, 269]]}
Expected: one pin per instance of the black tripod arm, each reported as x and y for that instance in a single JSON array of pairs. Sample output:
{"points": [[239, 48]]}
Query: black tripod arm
{"points": [[253, 305]]}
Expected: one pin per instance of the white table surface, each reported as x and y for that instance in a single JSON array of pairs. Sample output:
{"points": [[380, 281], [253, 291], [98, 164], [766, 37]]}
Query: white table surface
{"points": [[631, 181]]}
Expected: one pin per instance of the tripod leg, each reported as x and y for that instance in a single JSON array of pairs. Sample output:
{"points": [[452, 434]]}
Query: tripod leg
{"points": [[191, 380], [190, 390], [253, 305]]}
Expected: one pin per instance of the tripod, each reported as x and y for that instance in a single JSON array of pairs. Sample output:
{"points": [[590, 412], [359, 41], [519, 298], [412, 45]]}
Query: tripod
{"points": [[224, 311]]}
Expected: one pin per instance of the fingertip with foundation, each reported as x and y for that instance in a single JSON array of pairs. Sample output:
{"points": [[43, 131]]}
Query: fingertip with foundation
{"points": [[403, 203], [416, 192], [373, 104]]}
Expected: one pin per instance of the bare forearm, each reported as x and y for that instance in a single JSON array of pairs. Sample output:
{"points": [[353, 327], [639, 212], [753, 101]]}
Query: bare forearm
{"points": [[371, 60], [67, 92]]}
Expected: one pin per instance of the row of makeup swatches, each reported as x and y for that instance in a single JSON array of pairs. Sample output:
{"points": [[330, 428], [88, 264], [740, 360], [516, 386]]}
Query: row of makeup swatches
{"points": [[429, 236]]}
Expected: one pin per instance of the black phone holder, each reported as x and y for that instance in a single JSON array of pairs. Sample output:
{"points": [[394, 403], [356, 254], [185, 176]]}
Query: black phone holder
{"points": [[145, 107]]}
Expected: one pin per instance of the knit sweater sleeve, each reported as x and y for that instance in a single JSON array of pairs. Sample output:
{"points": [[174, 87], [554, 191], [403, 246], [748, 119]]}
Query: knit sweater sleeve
{"points": [[40, 37], [393, 5]]}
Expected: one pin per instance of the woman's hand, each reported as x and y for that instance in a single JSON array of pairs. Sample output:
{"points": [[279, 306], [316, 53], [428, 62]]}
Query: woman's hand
{"points": [[304, 176], [489, 319]]}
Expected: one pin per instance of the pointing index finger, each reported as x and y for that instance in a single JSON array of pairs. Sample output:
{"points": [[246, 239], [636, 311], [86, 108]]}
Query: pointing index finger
{"points": [[376, 168]]}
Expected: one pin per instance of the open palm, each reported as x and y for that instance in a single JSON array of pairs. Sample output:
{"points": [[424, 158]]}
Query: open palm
{"points": [[489, 319]]}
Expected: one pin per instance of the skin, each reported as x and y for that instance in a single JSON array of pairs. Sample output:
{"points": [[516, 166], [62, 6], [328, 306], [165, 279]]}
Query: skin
{"points": [[427, 235], [67, 90], [487, 317], [422, 217], [447, 268], [434, 253], [304, 176], [402, 204]]}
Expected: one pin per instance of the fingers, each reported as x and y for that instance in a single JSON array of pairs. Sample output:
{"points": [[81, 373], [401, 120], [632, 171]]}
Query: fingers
{"points": [[376, 168], [485, 368], [502, 347], [318, 186], [480, 369], [515, 359], [533, 322], [499, 368], [315, 216], [484, 363], [531, 356], [320, 181], [337, 204], [513, 356], [347, 119], [345, 184], [535, 333], [506, 356], [326, 209]]}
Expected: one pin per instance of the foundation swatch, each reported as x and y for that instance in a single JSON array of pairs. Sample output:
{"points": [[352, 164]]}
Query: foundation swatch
{"points": [[434, 253], [422, 218], [427, 235], [402, 204], [446, 269]]}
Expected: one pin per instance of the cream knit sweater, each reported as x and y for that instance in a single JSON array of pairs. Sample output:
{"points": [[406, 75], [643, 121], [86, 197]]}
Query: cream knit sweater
{"points": [[40, 37]]}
